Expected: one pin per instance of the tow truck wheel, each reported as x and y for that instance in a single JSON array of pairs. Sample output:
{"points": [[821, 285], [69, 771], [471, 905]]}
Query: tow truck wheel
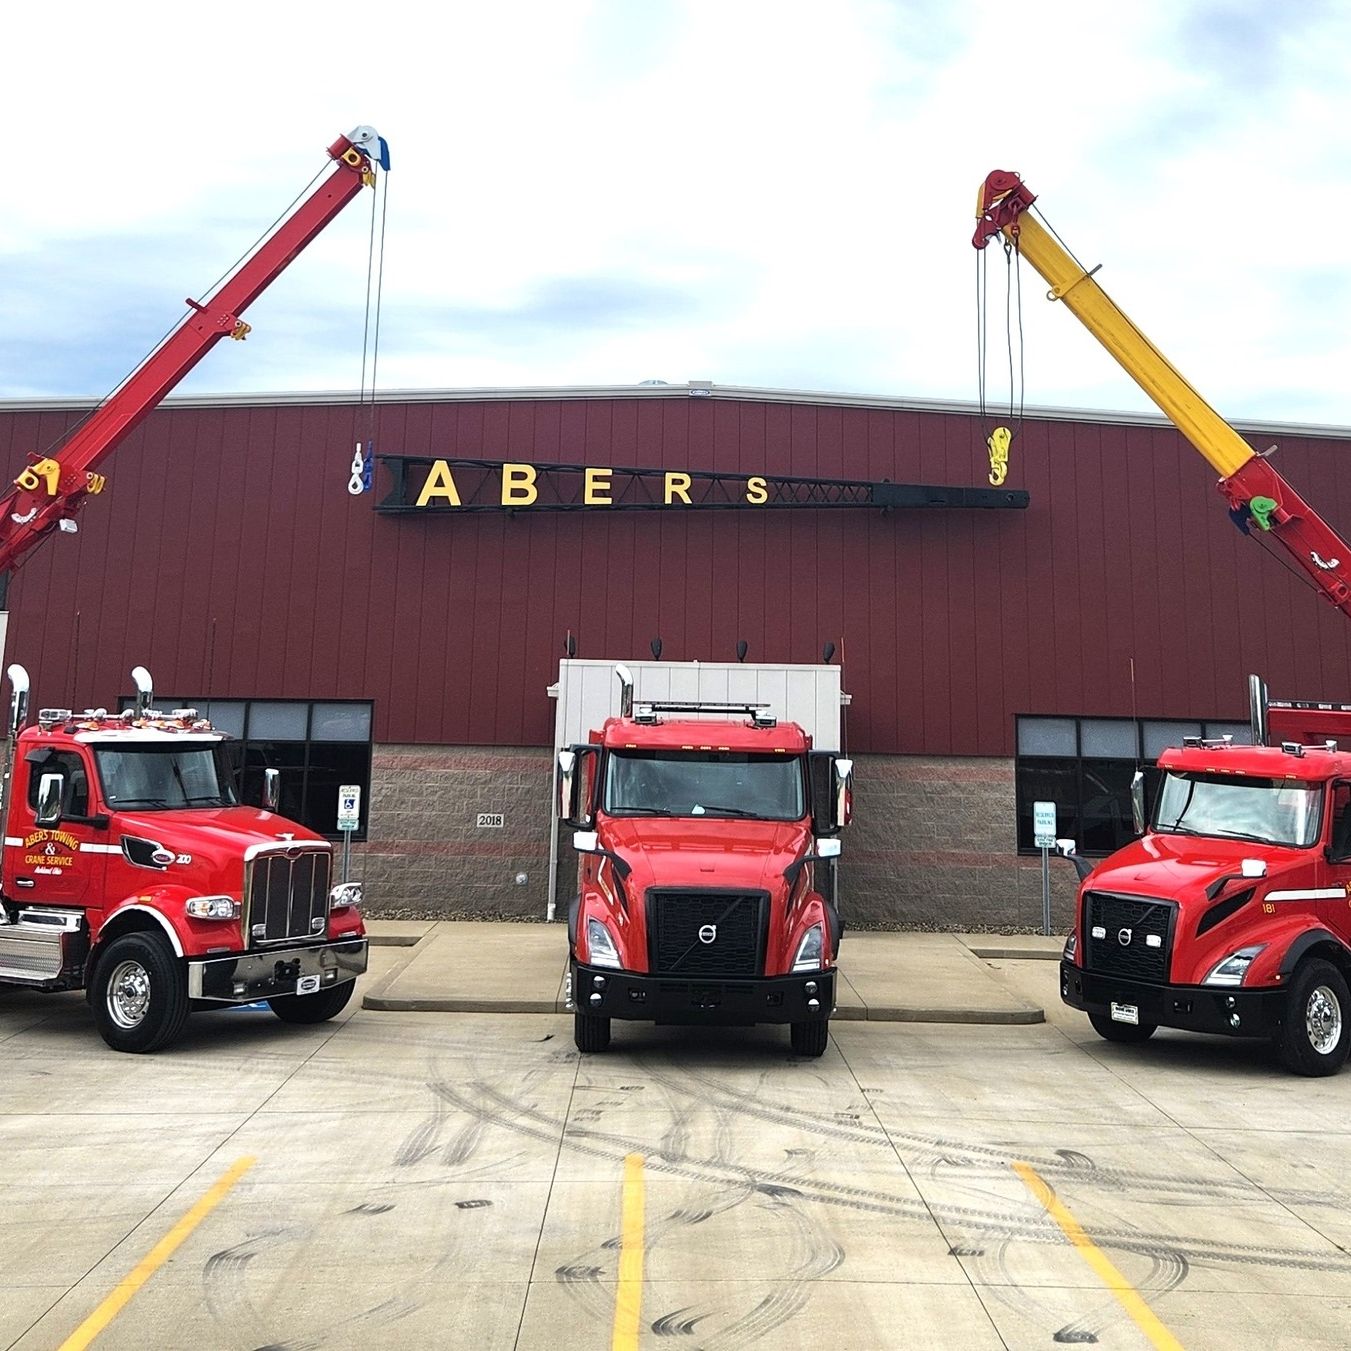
{"points": [[318, 1007], [1129, 1034], [590, 1031], [810, 1038], [139, 994], [1313, 1039]]}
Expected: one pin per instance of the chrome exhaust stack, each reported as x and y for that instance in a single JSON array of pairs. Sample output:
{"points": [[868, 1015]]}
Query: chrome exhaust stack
{"points": [[625, 677], [1257, 710], [18, 701], [145, 690], [18, 716]]}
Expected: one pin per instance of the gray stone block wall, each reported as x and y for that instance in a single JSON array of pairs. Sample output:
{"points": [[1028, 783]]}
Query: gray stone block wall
{"points": [[931, 845], [427, 858]]}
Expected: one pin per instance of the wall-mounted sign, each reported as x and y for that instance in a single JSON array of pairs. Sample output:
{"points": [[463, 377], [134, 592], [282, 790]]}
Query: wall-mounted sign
{"points": [[453, 486], [491, 820]]}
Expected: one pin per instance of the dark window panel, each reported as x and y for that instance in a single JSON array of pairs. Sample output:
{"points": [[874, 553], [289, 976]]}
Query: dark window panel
{"points": [[1048, 780]]}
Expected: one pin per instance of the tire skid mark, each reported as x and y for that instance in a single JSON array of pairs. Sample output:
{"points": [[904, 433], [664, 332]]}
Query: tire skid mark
{"points": [[1015, 1223], [1069, 1165]]}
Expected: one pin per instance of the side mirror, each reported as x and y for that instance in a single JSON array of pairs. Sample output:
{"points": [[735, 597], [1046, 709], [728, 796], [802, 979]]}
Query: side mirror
{"points": [[50, 790], [271, 789], [586, 841], [576, 785], [830, 848], [1138, 802], [1066, 849], [567, 783], [844, 792]]}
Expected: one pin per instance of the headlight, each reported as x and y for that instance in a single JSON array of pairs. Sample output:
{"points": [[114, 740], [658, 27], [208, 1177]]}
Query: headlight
{"points": [[1234, 967], [1071, 946], [344, 895], [809, 950], [601, 945], [211, 907]]}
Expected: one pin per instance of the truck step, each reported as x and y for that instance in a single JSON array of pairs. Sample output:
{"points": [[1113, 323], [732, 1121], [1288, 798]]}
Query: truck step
{"points": [[32, 950]]}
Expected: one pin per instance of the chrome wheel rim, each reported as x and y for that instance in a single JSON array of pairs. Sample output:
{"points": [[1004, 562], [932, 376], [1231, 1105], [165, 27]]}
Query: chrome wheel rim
{"points": [[1323, 1020], [129, 994]]}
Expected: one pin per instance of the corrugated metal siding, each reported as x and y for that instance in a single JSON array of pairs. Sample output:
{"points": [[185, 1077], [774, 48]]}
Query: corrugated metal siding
{"points": [[228, 556]]}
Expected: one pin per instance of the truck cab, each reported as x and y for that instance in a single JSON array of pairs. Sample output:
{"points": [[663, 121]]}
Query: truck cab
{"points": [[1232, 912], [707, 837], [132, 870]]}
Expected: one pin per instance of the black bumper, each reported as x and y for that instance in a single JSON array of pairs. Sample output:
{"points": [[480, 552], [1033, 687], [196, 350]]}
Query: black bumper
{"points": [[246, 977], [730, 1003], [1192, 1008]]}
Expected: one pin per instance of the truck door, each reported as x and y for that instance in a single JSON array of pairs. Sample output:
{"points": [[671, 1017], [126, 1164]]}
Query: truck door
{"points": [[1336, 912], [62, 863]]}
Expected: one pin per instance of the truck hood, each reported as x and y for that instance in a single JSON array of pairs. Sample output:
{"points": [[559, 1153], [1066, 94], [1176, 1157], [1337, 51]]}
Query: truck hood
{"points": [[215, 834], [1181, 867], [713, 852]]}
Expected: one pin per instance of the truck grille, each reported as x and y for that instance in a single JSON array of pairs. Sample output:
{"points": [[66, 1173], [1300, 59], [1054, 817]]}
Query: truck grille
{"points": [[286, 895], [1129, 922], [733, 931]]}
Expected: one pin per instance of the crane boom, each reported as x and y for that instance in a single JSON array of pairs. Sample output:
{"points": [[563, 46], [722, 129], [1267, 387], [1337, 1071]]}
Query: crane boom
{"points": [[1259, 498], [55, 485]]}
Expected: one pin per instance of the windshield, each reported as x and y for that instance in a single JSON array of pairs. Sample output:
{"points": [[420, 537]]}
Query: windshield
{"points": [[159, 777], [704, 783], [1272, 811]]}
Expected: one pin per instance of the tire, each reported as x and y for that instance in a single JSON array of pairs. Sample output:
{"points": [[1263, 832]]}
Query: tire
{"points": [[1315, 1035], [810, 1038], [1126, 1034], [139, 994], [313, 1008], [590, 1031]]}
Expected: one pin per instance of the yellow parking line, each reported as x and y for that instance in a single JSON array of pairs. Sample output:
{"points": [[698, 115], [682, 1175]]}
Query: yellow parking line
{"points": [[629, 1291], [154, 1259], [1127, 1295]]}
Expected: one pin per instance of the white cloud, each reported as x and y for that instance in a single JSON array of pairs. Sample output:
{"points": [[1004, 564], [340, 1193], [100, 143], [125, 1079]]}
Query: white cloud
{"points": [[754, 193]]}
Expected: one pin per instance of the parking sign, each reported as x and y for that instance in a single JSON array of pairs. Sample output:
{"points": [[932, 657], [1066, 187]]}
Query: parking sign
{"points": [[1043, 825], [349, 807]]}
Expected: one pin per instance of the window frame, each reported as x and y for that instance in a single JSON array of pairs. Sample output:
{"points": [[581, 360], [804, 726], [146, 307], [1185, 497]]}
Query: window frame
{"points": [[1070, 823], [247, 741]]}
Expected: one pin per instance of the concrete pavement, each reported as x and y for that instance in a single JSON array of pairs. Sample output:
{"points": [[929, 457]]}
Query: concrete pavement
{"points": [[470, 967]]}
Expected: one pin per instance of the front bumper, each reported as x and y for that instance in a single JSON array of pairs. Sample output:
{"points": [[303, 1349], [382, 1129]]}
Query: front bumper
{"points": [[637, 997], [245, 977], [1193, 1008]]}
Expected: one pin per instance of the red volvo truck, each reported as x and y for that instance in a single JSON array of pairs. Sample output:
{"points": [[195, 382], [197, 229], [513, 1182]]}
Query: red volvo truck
{"points": [[707, 836], [1232, 912], [131, 870]]}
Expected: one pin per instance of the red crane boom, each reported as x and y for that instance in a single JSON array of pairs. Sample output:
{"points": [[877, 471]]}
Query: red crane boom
{"points": [[54, 486]]}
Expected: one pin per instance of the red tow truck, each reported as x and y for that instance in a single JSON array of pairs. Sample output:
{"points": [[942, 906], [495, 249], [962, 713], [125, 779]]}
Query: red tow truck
{"points": [[130, 868], [707, 835], [1232, 912]]}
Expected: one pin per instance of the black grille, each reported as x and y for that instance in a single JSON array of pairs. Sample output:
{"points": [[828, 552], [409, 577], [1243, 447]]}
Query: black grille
{"points": [[1127, 924], [288, 895], [734, 920]]}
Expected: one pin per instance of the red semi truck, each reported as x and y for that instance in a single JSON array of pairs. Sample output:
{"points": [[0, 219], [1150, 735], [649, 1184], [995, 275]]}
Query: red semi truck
{"points": [[132, 870], [707, 836], [1232, 912]]}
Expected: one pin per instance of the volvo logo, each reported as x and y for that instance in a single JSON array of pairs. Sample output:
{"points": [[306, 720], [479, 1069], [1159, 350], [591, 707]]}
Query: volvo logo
{"points": [[1123, 936], [708, 933]]}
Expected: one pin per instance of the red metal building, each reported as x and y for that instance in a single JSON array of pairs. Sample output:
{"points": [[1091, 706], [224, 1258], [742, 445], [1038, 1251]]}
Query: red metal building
{"points": [[228, 556]]}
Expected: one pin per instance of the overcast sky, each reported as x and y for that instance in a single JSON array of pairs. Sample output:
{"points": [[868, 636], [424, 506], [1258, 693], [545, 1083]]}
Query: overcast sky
{"points": [[771, 194]]}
